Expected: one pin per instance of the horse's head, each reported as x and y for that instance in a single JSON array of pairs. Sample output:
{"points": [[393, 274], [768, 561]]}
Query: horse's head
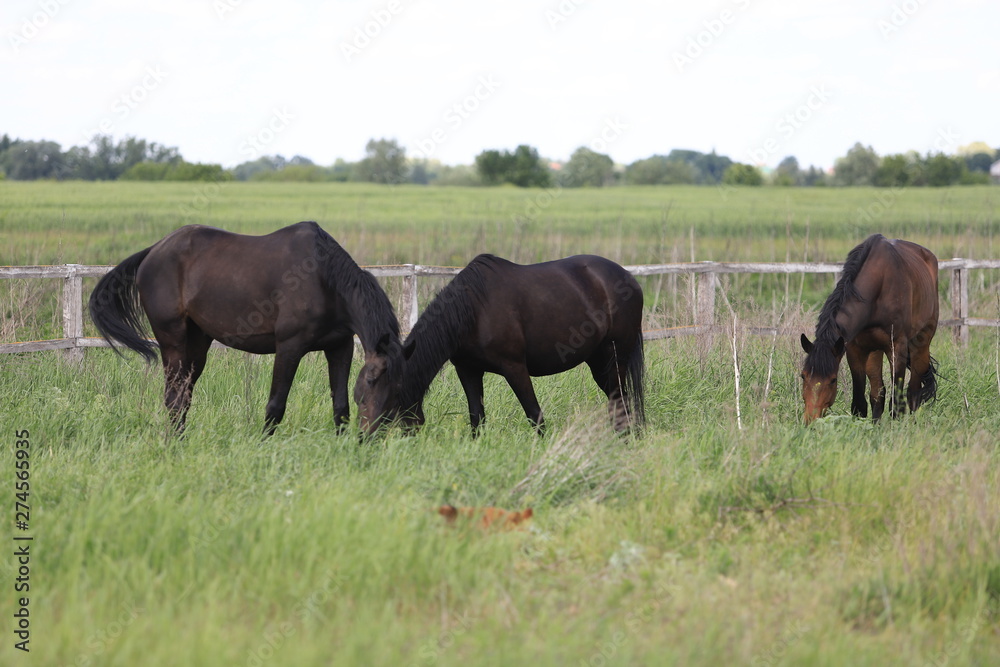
{"points": [[379, 388], [819, 375]]}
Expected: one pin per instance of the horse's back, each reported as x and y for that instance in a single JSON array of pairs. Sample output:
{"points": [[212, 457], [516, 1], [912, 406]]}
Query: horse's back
{"points": [[910, 277]]}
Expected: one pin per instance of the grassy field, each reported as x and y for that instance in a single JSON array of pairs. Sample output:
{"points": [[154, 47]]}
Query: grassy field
{"points": [[727, 534]]}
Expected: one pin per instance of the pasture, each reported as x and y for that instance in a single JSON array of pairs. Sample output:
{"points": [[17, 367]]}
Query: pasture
{"points": [[727, 533]]}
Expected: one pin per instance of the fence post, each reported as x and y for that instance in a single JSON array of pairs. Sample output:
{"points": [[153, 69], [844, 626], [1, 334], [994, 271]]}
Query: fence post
{"points": [[409, 310], [72, 312], [960, 303], [704, 314]]}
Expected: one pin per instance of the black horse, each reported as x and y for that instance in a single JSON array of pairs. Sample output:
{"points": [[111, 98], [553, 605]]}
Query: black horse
{"points": [[287, 293], [516, 321], [886, 302]]}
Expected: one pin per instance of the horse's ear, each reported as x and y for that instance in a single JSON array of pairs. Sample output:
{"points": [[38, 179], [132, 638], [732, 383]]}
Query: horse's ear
{"points": [[382, 346], [408, 349], [806, 345], [838, 347]]}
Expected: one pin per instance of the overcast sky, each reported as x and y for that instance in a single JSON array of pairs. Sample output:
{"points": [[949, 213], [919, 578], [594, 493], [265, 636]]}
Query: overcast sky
{"points": [[229, 80]]}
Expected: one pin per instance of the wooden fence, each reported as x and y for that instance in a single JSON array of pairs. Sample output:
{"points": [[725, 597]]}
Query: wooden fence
{"points": [[706, 275]]}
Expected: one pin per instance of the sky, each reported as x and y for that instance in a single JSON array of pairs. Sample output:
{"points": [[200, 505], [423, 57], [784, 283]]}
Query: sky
{"points": [[227, 81]]}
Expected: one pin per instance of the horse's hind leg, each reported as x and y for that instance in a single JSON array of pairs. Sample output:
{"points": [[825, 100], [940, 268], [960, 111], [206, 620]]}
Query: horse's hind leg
{"points": [[338, 360], [920, 364], [873, 368], [286, 363], [472, 383], [898, 371], [184, 354], [608, 376]]}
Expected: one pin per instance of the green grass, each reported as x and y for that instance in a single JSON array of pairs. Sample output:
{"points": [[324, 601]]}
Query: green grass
{"points": [[698, 543]]}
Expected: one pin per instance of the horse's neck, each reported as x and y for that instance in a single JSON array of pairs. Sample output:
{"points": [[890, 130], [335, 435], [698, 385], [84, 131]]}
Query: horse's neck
{"points": [[431, 353], [851, 318]]}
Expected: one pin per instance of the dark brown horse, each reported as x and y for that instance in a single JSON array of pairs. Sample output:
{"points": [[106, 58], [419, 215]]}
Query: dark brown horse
{"points": [[886, 302], [287, 293], [517, 321]]}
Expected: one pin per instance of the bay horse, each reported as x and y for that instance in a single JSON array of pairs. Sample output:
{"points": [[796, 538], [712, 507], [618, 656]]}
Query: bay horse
{"points": [[287, 293], [885, 303], [516, 321]]}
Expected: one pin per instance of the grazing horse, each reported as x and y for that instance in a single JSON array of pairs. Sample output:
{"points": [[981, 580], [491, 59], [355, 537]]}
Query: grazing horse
{"points": [[286, 293], [516, 321], [886, 302]]}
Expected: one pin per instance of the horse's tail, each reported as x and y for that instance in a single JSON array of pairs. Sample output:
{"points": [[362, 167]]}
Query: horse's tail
{"points": [[634, 383], [115, 308]]}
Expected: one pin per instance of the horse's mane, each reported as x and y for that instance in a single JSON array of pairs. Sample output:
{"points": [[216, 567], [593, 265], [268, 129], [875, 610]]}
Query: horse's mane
{"points": [[822, 360], [372, 312], [448, 318]]}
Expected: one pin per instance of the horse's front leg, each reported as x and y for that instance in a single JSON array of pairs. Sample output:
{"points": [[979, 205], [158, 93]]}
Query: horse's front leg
{"points": [[856, 363], [338, 360], [472, 383], [286, 363], [519, 380]]}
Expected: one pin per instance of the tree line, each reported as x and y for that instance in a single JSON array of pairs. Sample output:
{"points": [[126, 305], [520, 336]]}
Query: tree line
{"points": [[386, 162]]}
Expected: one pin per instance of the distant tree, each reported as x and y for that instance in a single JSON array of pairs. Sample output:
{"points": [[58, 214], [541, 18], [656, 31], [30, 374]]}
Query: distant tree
{"points": [[492, 166], [813, 177], [712, 167], [895, 171], [743, 174], [979, 162], [788, 172], [461, 175], [858, 167], [105, 160], [30, 160], [587, 168], [660, 170], [941, 170], [176, 171], [528, 170], [299, 173], [341, 171], [523, 168], [384, 162], [265, 163]]}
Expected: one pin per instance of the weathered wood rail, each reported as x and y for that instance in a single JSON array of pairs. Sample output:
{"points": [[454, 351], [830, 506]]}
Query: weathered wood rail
{"points": [[705, 274]]}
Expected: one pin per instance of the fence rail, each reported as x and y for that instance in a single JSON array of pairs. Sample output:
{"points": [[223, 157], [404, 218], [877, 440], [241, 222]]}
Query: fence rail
{"points": [[706, 275]]}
